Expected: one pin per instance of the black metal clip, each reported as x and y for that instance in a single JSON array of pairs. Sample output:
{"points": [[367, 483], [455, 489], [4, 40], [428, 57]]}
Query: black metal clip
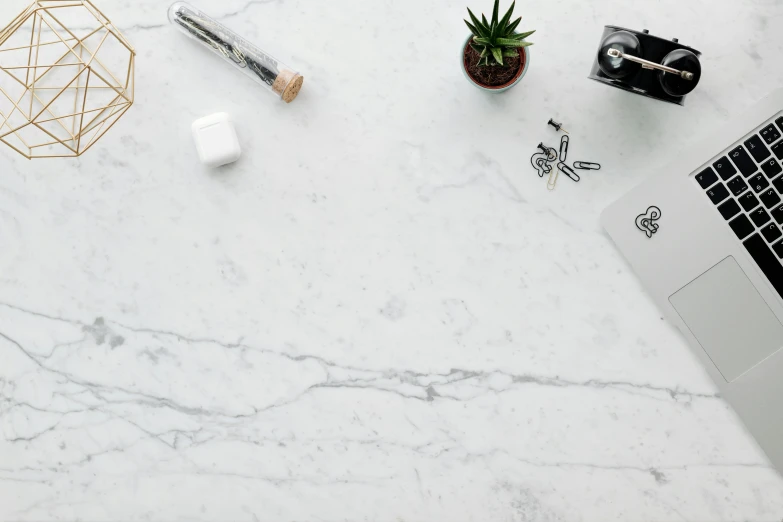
{"points": [[540, 163], [586, 165], [563, 147], [568, 171]]}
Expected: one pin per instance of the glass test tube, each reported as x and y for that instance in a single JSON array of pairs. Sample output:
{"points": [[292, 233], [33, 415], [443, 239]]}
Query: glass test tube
{"points": [[275, 76]]}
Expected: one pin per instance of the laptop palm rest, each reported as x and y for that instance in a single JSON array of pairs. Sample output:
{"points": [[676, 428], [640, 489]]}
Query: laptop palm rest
{"points": [[729, 318]]}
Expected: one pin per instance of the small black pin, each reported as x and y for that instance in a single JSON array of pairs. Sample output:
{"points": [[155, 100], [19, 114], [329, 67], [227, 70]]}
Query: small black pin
{"points": [[551, 154], [557, 126]]}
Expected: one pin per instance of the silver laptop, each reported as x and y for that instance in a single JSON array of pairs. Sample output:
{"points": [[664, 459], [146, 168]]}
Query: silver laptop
{"points": [[705, 236]]}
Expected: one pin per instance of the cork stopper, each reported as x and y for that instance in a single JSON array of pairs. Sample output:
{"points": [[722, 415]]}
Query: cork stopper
{"points": [[288, 84]]}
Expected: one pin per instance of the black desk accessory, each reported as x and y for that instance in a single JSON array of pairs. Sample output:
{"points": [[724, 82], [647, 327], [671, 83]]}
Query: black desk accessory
{"points": [[644, 64], [586, 165], [550, 161], [557, 126]]}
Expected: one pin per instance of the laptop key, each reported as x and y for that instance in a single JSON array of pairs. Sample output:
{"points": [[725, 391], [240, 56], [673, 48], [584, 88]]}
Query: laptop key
{"points": [[718, 193], [742, 226], [707, 177], [737, 185], [729, 209], [771, 232], [757, 148], [771, 168], [741, 159], [770, 198], [777, 149], [777, 213], [758, 182], [759, 216], [770, 134], [748, 201], [778, 183], [779, 121], [725, 169], [766, 260], [778, 248]]}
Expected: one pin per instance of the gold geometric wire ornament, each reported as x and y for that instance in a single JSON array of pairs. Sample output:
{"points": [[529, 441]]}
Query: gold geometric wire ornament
{"points": [[67, 77]]}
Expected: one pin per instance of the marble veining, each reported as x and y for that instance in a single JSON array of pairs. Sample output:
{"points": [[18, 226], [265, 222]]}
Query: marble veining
{"points": [[379, 313]]}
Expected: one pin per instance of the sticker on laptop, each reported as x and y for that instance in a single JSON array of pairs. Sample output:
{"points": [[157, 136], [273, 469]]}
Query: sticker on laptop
{"points": [[647, 222]]}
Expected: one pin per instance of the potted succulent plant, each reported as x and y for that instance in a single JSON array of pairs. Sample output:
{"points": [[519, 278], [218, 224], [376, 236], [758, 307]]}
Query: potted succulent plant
{"points": [[495, 57]]}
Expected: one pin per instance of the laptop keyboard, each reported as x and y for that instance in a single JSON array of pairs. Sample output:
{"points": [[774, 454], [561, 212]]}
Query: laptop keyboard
{"points": [[746, 186]]}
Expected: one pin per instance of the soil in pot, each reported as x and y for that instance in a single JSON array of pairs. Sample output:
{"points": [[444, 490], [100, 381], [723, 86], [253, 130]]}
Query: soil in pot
{"points": [[493, 76]]}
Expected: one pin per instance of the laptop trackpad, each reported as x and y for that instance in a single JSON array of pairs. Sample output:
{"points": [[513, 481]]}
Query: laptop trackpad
{"points": [[731, 321]]}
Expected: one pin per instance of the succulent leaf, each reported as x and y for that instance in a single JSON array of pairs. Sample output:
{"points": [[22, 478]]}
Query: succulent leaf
{"points": [[478, 25], [497, 53], [495, 13], [513, 25], [506, 17], [521, 36], [507, 42]]}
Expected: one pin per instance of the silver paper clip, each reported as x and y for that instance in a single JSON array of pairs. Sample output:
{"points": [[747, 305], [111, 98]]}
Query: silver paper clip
{"points": [[646, 64]]}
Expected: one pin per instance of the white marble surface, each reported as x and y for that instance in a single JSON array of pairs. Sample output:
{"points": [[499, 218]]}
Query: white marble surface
{"points": [[379, 313]]}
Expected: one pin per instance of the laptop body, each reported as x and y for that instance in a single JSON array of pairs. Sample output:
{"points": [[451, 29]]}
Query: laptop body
{"points": [[705, 236]]}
